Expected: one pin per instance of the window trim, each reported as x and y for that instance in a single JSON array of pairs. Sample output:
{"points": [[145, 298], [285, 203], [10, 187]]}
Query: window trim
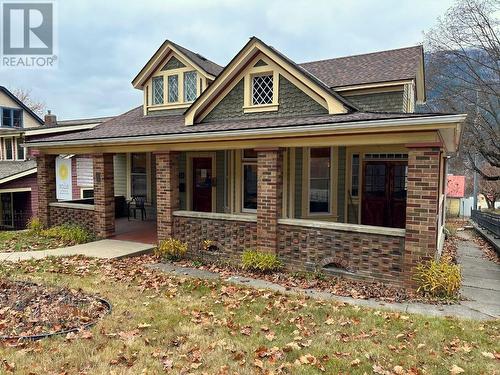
{"points": [[184, 86], [153, 79], [12, 109], [248, 106], [168, 102], [358, 155], [13, 156], [148, 176], [333, 209], [18, 146], [85, 188]]}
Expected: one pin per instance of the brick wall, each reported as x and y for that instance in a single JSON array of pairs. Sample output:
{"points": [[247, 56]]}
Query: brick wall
{"points": [[66, 215], [46, 179], [367, 256], [104, 195], [421, 207], [167, 187], [231, 237], [269, 197]]}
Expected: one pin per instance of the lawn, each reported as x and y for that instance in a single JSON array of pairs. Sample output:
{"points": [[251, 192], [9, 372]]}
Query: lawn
{"points": [[43, 239], [162, 323]]}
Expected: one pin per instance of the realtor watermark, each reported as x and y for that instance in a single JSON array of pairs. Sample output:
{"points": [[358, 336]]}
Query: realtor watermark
{"points": [[28, 34]]}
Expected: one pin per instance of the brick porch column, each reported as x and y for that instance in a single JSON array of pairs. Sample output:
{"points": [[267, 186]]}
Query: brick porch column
{"points": [[46, 180], [167, 192], [269, 197], [104, 195], [421, 207]]}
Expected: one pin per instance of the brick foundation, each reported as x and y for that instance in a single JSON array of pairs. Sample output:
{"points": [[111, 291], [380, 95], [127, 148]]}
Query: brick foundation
{"points": [[421, 208], [104, 195], [230, 238], [66, 215], [269, 197], [167, 190], [367, 256]]}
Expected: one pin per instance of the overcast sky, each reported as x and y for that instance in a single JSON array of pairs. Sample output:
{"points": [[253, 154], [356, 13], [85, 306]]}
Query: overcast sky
{"points": [[104, 44]]}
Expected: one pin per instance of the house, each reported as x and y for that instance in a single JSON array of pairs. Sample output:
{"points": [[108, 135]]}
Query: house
{"points": [[18, 180], [455, 191], [324, 163]]}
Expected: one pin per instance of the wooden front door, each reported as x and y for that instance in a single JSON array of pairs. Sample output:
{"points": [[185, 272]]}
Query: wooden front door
{"points": [[202, 184], [384, 193]]}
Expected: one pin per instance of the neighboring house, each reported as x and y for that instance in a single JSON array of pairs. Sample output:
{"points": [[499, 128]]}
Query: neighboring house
{"points": [[455, 192], [324, 163], [18, 180]]}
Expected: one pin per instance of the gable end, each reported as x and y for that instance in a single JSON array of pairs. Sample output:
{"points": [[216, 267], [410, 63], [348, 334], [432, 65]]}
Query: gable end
{"points": [[173, 63], [292, 102]]}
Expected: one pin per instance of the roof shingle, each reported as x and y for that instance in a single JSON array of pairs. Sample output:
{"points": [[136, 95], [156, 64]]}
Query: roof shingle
{"points": [[384, 66]]}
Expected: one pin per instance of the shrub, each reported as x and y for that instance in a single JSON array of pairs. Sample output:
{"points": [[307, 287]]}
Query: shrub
{"points": [[439, 279], [172, 249], [35, 225], [255, 260], [69, 233]]}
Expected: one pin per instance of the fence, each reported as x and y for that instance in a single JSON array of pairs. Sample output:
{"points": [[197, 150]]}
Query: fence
{"points": [[488, 221]]}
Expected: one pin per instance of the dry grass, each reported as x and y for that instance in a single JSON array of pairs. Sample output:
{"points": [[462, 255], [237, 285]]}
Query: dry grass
{"points": [[168, 324]]}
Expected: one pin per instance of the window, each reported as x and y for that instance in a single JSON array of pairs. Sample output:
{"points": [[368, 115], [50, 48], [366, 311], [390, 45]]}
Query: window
{"points": [[158, 90], [87, 193], [319, 180], [262, 89], [249, 170], [9, 149], [17, 118], [355, 175], [20, 149], [189, 86], [173, 89], [138, 175], [6, 117]]}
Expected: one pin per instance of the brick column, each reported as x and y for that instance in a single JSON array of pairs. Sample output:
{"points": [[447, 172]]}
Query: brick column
{"points": [[104, 195], [421, 208], [167, 192], [269, 197], [46, 181]]}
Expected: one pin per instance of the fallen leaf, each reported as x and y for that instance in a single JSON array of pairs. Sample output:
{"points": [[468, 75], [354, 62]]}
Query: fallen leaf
{"points": [[456, 370]]}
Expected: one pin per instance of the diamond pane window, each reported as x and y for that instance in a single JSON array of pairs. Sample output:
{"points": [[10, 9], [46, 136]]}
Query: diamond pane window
{"points": [[173, 89], [262, 90], [158, 90], [189, 86]]}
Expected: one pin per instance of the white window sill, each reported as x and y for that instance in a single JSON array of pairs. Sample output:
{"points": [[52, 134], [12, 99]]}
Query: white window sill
{"points": [[261, 108], [78, 206]]}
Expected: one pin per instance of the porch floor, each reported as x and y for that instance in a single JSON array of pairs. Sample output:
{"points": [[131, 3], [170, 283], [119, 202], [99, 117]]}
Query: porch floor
{"points": [[135, 231]]}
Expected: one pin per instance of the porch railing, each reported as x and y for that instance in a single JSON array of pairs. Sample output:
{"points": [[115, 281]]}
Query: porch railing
{"points": [[488, 221]]}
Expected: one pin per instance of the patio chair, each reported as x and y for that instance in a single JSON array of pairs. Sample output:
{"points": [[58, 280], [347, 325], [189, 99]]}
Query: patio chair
{"points": [[137, 203]]}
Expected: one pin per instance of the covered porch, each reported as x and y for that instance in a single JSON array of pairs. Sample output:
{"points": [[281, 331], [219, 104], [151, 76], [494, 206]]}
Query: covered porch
{"points": [[364, 210]]}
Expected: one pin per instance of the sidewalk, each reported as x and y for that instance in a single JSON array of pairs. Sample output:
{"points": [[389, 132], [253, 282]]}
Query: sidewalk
{"points": [[106, 249], [463, 310]]}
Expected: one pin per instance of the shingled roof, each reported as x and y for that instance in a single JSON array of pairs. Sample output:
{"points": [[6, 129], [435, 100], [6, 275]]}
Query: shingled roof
{"points": [[384, 66], [204, 63], [134, 124]]}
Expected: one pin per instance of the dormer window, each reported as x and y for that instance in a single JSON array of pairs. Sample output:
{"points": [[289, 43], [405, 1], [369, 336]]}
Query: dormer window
{"points": [[158, 90], [173, 89], [261, 88], [190, 91]]}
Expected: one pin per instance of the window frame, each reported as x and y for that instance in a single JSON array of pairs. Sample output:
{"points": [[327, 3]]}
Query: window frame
{"points": [[83, 189], [252, 85], [358, 174], [12, 148], [153, 94], [12, 110], [148, 175], [247, 161], [333, 209], [264, 70], [184, 91], [19, 147], [178, 89]]}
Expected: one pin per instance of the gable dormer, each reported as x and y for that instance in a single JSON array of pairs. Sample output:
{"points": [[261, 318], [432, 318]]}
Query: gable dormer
{"points": [[261, 82], [173, 78]]}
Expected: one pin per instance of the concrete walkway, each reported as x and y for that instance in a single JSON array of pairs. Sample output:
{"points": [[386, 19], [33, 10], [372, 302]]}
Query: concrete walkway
{"points": [[105, 249], [467, 310], [481, 278]]}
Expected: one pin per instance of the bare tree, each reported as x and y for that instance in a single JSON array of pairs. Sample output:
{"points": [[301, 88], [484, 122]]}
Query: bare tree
{"points": [[463, 75], [25, 96], [490, 189]]}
